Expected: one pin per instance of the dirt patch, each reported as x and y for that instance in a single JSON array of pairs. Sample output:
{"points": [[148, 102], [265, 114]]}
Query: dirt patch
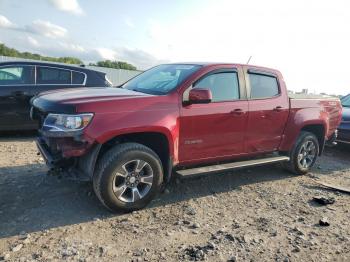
{"points": [[258, 214]]}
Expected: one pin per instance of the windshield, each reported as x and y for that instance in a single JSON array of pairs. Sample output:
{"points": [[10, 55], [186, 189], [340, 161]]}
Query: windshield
{"points": [[346, 101], [161, 79]]}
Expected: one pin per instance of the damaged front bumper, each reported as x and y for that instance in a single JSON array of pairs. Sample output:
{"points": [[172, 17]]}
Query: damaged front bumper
{"points": [[46, 154], [70, 156]]}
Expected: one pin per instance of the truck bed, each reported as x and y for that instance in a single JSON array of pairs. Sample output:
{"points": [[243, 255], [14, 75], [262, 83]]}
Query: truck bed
{"points": [[310, 96], [317, 106]]}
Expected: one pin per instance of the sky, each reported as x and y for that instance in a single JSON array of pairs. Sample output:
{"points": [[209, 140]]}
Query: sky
{"points": [[308, 41]]}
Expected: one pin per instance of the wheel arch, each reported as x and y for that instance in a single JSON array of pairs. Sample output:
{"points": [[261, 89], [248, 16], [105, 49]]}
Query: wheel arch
{"points": [[293, 130], [319, 130], [157, 141]]}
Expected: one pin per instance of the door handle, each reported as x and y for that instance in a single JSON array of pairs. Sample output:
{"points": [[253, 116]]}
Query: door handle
{"points": [[237, 111], [278, 109], [18, 93]]}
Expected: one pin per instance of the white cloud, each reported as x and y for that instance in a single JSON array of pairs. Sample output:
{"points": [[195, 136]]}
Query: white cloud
{"points": [[156, 30], [49, 47], [69, 6], [72, 47], [39, 27], [129, 22], [47, 29], [5, 23], [139, 58], [300, 38], [106, 53], [32, 41]]}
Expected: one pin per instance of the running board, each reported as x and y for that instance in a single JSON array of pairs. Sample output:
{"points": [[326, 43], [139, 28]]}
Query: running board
{"points": [[228, 166]]}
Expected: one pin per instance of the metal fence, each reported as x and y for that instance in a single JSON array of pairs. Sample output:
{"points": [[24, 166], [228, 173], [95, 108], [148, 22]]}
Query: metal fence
{"points": [[116, 76]]}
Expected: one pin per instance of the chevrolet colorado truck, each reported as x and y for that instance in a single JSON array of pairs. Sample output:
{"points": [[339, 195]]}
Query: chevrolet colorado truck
{"points": [[187, 118]]}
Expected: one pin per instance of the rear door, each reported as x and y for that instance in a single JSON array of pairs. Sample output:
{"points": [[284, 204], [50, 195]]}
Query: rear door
{"points": [[217, 129], [16, 82], [268, 110], [50, 77]]}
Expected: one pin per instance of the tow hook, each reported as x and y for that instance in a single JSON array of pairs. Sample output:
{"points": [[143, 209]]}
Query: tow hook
{"points": [[55, 171], [332, 140]]}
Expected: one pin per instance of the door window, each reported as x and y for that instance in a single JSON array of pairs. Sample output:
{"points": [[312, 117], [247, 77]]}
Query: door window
{"points": [[263, 86], [50, 75], [223, 86], [16, 75], [78, 78]]}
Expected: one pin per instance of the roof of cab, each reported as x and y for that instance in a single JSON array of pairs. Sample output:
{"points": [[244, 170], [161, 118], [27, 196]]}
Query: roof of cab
{"points": [[225, 63]]}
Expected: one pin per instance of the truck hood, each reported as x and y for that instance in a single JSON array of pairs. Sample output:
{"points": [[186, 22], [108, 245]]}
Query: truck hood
{"points": [[66, 100], [346, 114]]}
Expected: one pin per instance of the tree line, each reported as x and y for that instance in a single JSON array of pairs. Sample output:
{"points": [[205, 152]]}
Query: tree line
{"points": [[114, 64], [11, 52]]}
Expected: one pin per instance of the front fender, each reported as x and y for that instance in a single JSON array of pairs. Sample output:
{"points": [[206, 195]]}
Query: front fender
{"points": [[87, 162], [171, 136]]}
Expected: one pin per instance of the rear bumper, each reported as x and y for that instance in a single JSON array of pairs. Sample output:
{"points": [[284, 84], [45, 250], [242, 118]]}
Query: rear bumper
{"points": [[343, 136]]}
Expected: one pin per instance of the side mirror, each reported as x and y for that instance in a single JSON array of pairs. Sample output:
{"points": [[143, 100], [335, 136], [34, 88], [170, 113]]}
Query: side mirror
{"points": [[200, 96]]}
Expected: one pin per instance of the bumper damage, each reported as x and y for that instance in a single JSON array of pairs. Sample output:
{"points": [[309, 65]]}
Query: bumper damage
{"points": [[68, 157]]}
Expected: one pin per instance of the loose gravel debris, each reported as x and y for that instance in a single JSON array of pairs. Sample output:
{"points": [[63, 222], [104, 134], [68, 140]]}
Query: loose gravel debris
{"points": [[324, 200], [260, 214]]}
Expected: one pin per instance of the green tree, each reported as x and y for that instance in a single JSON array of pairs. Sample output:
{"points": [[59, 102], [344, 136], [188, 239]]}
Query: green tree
{"points": [[115, 64], [7, 51]]}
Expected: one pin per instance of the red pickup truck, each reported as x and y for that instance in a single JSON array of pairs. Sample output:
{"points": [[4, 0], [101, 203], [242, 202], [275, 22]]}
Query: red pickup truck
{"points": [[188, 118]]}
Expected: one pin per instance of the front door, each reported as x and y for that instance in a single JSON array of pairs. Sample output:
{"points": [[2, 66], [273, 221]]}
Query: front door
{"points": [[16, 83], [217, 129]]}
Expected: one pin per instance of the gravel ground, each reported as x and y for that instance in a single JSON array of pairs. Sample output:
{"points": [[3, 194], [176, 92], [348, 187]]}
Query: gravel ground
{"points": [[257, 214]]}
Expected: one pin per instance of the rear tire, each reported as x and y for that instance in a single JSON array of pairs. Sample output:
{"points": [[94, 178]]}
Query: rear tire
{"points": [[128, 177], [303, 154]]}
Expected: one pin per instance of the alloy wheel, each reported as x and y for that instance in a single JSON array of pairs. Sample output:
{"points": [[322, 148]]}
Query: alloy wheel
{"points": [[307, 154], [133, 180]]}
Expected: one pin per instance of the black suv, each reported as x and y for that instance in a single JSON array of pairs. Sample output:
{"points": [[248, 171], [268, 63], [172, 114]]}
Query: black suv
{"points": [[20, 81]]}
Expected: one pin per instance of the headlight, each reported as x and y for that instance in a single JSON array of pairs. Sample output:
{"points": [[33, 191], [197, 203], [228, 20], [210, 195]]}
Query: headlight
{"points": [[64, 122]]}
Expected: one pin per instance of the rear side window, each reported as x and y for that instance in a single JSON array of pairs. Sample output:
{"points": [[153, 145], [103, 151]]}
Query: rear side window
{"points": [[49, 75], [223, 86], [17, 75], [77, 78], [263, 86]]}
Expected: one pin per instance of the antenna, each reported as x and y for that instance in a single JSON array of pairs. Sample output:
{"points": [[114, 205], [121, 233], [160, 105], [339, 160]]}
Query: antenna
{"points": [[249, 60]]}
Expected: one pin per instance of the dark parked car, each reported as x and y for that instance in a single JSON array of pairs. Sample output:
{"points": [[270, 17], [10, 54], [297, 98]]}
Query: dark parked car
{"points": [[20, 81], [344, 128]]}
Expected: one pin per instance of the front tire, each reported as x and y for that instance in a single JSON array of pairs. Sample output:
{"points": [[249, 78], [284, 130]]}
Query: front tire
{"points": [[128, 177], [303, 154]]}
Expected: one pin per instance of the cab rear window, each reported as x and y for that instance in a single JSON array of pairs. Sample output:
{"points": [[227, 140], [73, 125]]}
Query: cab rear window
{"points": [[263, 86]]}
